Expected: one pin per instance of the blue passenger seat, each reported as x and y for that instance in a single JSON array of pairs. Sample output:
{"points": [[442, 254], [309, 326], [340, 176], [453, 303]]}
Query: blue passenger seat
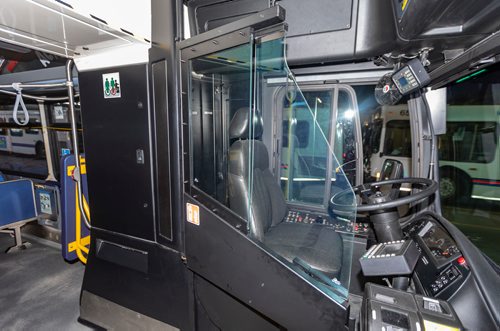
{"points": [[17, 207]]}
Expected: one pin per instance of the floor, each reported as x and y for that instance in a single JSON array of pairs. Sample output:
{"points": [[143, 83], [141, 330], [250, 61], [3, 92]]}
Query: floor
{"points": [[38, 289]]}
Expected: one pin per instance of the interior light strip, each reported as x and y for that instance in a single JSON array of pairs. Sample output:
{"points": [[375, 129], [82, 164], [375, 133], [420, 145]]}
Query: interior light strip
{"points": [[470, 76]]}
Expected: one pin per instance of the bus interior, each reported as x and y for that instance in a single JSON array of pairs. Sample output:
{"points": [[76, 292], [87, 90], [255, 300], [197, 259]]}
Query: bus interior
{"points": [[251, 165]]}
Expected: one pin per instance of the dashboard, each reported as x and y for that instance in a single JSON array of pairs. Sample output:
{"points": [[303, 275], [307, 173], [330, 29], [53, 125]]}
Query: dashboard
{"points": [[310, 217], [441, 268]]}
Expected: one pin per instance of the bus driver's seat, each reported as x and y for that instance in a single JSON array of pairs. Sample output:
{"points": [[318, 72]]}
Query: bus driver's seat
{"points": [[318, 245]]}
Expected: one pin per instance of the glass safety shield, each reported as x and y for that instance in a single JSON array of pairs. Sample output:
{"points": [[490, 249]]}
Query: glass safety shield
{"points": [[235, 139], [300, 230]]}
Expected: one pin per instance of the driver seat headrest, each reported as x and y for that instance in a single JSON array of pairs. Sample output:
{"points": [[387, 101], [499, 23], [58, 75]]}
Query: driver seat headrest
{"points": [[240, 124]]}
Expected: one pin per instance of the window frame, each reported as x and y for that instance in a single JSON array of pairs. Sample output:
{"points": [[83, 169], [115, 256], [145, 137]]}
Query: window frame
{"points": [[277, 131], [188, 53]]}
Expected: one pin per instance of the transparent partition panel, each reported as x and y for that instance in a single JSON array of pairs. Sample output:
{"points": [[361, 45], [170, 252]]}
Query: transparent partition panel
{"points": [[233, 140], [220, 90], [289, 210]]}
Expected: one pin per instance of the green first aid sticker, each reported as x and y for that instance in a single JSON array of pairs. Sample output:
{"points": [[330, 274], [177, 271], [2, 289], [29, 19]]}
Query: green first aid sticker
{"points": [[111, 85]]}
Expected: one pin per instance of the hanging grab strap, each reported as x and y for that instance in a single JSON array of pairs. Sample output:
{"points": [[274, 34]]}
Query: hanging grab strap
{"points": [[19, 100]]}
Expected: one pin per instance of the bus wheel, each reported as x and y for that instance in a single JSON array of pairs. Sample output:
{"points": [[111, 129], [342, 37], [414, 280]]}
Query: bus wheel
{"points": [[39, 150], [454, 186]]}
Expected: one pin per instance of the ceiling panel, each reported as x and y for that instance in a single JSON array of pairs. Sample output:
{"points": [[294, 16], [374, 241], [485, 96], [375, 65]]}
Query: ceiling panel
{"points": [[52, 27]]}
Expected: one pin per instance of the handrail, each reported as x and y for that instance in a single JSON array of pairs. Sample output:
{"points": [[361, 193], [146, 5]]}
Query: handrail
{"points": [[74, 133], [78, 234]]}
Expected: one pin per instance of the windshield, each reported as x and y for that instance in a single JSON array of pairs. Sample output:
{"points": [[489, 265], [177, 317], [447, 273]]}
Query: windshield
{"points": [[274, 164]]}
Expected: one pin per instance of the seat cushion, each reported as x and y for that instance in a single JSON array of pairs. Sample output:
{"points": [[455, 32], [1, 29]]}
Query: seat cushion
{"points": [[319, 245]]}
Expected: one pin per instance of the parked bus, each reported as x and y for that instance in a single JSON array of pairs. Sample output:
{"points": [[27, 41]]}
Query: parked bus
{"points": [[28, 141], [466, 152]]}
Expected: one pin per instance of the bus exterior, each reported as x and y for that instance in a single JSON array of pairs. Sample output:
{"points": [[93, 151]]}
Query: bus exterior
{"points": [[28, 141], [468, 153], [390, 138]]}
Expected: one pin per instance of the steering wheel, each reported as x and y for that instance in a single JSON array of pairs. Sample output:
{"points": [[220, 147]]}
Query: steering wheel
{"points": [[373, 199]]}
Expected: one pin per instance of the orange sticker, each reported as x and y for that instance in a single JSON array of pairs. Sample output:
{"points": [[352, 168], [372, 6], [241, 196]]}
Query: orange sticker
{"points": [[193, 213]]}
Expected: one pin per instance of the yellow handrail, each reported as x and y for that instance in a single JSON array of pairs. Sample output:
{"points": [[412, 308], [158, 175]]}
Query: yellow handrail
{"points": [[79, 247]]}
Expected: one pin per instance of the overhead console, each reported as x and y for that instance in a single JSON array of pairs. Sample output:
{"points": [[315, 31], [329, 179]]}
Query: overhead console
{"points": [[411, 77], [361, 29], [358, 29]]}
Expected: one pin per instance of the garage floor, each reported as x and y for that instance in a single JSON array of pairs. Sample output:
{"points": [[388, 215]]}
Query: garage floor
{"points": [[38, 289]]}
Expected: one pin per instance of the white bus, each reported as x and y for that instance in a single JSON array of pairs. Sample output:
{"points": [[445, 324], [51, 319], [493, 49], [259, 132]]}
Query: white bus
{"points": [[467, 152], [390, 138], [28, 141]]}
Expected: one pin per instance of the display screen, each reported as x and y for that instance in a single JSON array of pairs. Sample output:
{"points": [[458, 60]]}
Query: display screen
{"points": [[403, 81], [439, 242], [393, 248], [398, 321]]}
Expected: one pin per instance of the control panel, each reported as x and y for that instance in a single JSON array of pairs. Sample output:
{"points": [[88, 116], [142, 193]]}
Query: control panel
{"points": [[390, 309], [411, 77], [308, 217], [441, 248], [390, 258], [441, 269], [47, 202]]}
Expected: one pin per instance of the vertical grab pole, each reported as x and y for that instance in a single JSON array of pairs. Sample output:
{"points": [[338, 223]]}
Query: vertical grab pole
{"points": [[46, 141], [74, 133]]}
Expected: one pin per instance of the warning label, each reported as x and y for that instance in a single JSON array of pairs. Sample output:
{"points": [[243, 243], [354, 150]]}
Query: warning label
{"points": [[111, 85], [193, 213]]}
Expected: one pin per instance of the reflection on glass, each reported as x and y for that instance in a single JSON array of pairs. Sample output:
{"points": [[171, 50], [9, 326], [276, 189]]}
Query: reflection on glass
{"points": [[22, 150], [469, 160]]}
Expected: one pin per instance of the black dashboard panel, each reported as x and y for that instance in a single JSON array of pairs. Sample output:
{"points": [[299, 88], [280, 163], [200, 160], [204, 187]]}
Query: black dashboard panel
{"points": [[361, 230], [441, 269]]}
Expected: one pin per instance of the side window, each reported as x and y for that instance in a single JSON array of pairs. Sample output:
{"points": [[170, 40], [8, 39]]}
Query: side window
{"points": [[32, 131], [397, 138], [15, 132], [474, 142]]}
